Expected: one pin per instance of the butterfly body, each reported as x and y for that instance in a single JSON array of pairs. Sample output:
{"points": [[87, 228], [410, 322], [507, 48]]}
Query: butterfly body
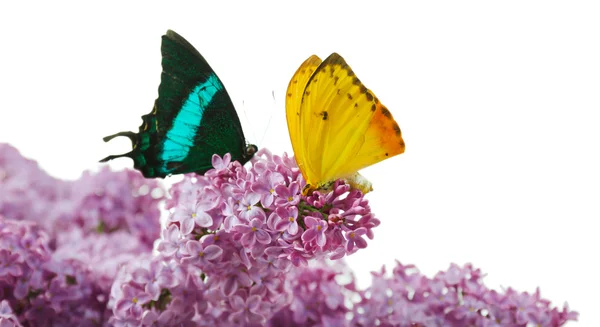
{"points": [[192, 118], [337, 126]]}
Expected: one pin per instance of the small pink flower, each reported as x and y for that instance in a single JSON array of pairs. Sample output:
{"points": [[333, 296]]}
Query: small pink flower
{"points": [[355, 237], [315, 231], [200, 255], [288, 219]]}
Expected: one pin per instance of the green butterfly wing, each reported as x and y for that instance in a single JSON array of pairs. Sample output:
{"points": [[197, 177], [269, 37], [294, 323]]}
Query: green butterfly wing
{"points": [[192, 119]]}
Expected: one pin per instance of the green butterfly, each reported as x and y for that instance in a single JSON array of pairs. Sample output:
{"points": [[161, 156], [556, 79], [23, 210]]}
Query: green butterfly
{"points": [[192, 119]]}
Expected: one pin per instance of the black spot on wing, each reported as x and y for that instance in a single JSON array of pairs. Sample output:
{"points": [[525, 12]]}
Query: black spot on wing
{"points": [[386, 112], [397, 129]]}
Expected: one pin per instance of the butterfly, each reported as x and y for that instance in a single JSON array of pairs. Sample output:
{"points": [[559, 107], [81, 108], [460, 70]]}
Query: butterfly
{"points": [[337, 126], [192, 119]]}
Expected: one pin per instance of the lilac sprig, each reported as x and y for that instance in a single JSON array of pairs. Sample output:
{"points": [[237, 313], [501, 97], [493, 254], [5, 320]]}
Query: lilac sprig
{"points": [[263, 208], [108, 201], [26, 191], [320, 296], [102, 202], [40, 290], [456, 297], [238, 231]]}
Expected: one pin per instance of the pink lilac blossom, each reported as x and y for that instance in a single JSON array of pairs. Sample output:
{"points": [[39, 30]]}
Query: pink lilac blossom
{"points": [[101, 202], [7, 317], [108, 201], [456, 297], [243, 230], [320, 296], [40, 290], [241, 247], [26, 191]]}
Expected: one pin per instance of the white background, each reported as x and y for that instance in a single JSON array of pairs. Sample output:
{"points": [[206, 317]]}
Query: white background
{"points": [[498, 104]]}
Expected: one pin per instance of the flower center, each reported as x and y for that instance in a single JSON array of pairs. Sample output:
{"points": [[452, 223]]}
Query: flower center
{"points": [[201, 254], [292, 219]]}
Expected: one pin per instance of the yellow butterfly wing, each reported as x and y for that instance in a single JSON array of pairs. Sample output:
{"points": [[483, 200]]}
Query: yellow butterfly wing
{"points": [[342, 126], [295, 91]]}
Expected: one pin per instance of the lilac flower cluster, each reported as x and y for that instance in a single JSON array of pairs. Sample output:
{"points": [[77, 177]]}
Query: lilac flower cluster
{"points": [[108, 201], [63, 242], [322, 296], [102, 202], [40, 290], [26, 191], [235, 233], [241, 247], [456, 297]]}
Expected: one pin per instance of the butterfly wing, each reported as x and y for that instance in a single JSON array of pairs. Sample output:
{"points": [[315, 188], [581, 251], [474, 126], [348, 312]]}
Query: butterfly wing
{"points": [[343, 125], [192, 119], [295, 92], [195, 115]]}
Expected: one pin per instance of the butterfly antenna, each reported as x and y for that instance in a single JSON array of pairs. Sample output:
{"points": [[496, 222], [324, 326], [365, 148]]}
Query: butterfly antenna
{"points": [[270, 117], [248, 120]]}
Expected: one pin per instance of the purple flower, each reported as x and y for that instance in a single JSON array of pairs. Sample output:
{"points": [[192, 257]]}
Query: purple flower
{"points": [[152, 318], [219, 163], [220, 260], [9, 264], [355, 237], [248, 208], [130, 305], [287, 195], [266, 187], [524, 304], [171, 241], [315, 231], [288, 219], [189, 215], [7, 317], [154, 278], [246, 312], [253, 233], [201, 255], [230, 208]]}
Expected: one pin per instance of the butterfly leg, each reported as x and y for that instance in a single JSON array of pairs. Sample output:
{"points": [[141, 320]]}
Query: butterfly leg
{"points": [[130, 135], [128, 155]]}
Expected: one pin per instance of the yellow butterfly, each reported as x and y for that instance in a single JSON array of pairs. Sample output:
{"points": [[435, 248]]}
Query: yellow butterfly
{"points": [[337, 126]]}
